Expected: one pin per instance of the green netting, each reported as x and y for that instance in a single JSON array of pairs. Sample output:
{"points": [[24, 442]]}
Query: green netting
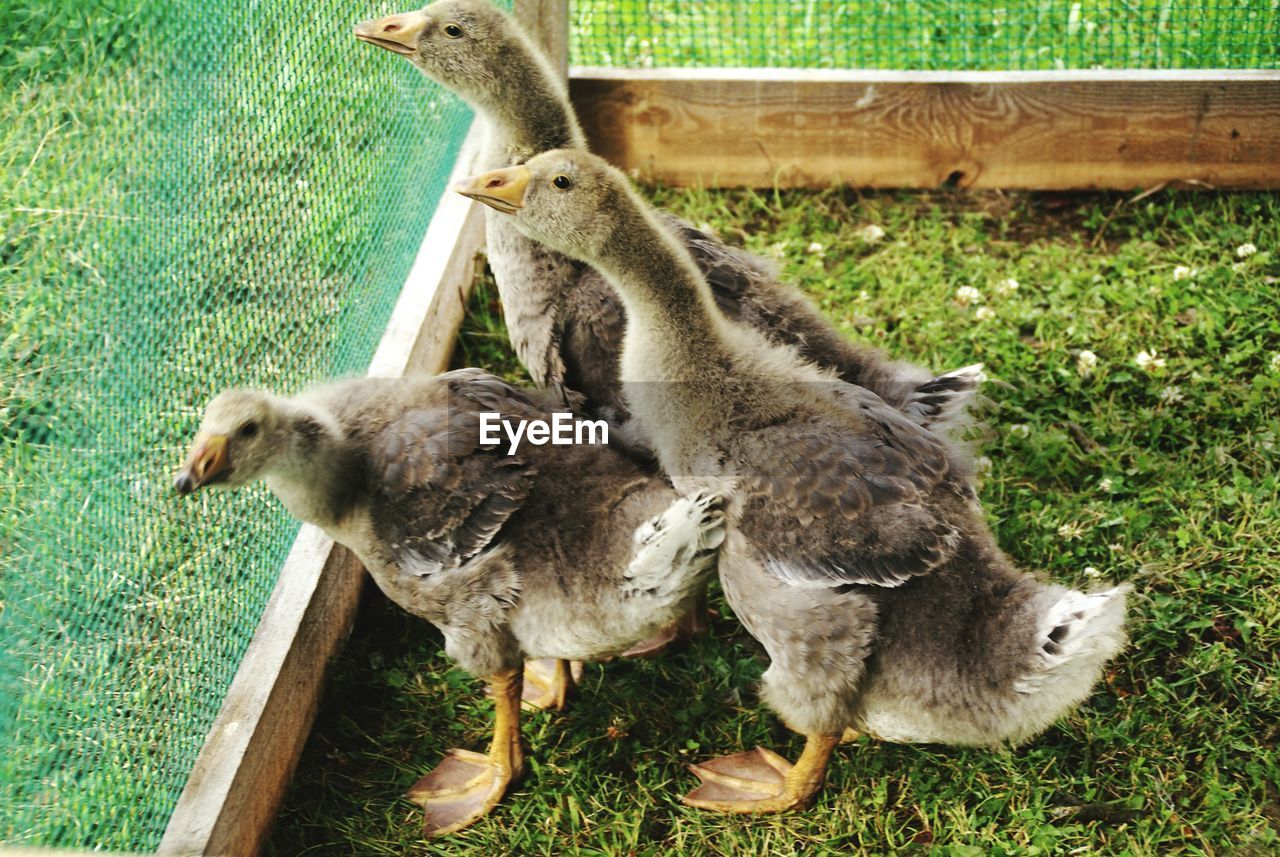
{"points": [[193, 195], [928, 34]]}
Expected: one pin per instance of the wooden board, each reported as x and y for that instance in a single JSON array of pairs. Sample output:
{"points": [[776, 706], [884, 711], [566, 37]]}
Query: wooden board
{"points": [[1050, 130], [239, 779]]}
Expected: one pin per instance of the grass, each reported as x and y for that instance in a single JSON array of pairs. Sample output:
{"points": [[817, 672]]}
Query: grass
{"points": [[1164, 477], [917, 34]]}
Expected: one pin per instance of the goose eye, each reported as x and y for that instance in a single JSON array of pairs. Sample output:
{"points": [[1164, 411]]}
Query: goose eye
{"points": [[453, 31], [249, 429], [562, 181]]}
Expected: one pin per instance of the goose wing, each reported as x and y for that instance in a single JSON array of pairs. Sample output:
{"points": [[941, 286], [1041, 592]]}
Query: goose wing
{"points": [[849, 500], [441, 496]]}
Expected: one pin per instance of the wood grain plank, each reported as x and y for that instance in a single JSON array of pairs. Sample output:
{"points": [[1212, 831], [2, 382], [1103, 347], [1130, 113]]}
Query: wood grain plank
{"points": [[1048, 130], [235, 788]]}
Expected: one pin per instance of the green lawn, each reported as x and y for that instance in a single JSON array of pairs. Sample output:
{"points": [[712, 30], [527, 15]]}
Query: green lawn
{"points": [[1165, 476], [926, 34]]}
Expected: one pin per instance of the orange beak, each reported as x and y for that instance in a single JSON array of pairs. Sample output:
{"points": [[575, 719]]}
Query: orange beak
{"points": [[207, 462], [502, 190], [396, 33]]}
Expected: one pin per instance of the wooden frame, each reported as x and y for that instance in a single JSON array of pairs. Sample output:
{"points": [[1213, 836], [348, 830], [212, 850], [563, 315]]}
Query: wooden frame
{"points": [[1047, 130], [235, 788]]}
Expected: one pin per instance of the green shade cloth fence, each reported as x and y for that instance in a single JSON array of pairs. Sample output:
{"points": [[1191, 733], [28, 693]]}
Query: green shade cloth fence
{"points": [[244, 197], [256, 195]]}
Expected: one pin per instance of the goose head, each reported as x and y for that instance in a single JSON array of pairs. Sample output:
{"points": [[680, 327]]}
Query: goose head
{"points": [[243, 434], [568, 200], [458, 43]]}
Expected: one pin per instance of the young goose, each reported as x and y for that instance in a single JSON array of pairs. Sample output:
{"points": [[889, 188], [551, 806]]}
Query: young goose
{"points": [[571, 552], [564, 320], [857, 554]]}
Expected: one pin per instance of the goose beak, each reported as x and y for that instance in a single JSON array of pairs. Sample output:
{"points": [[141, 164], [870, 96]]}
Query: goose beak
{"points": [[396, 33], [207, 462], [502, 190]]}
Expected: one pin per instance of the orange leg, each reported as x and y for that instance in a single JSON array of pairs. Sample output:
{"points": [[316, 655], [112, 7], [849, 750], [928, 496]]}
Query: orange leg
{"points": [[466, 785]]}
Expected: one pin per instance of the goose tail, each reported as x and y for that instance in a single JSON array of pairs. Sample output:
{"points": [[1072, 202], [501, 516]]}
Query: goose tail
{"points": [[1076, 635], [943, 402]]}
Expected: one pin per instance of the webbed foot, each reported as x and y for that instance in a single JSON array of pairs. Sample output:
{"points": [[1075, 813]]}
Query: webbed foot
{"points": [[466, 785], [463, 788], [762, 781], [548, 682]]}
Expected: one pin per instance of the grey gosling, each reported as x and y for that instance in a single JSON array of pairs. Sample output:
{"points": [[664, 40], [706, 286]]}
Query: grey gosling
{"points": [[571, 553], [564, 320], [857, 553]]}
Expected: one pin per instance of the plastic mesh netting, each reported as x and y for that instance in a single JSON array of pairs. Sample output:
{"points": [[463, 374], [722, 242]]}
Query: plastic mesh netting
{"points": [[939, 34], [194, 196]]}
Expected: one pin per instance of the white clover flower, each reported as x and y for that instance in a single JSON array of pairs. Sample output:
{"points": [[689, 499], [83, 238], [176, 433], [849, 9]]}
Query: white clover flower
{"points": [[1239, 267], [1245, 250], [863, 296], [1086, 361], [1149, 361], [778, 250], [1171, 395], [815, 249], [1020, 430], [1105, 484], [982, 465], [1070, 531], [1182, 272], [1091, 572], [984, 313], [1275, 362], [871, 233], [966, 295], [1006, 287]]}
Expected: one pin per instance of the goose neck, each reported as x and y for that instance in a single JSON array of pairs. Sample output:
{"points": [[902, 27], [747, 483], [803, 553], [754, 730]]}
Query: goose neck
{"points": [[308, 479], [540, 118]]}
